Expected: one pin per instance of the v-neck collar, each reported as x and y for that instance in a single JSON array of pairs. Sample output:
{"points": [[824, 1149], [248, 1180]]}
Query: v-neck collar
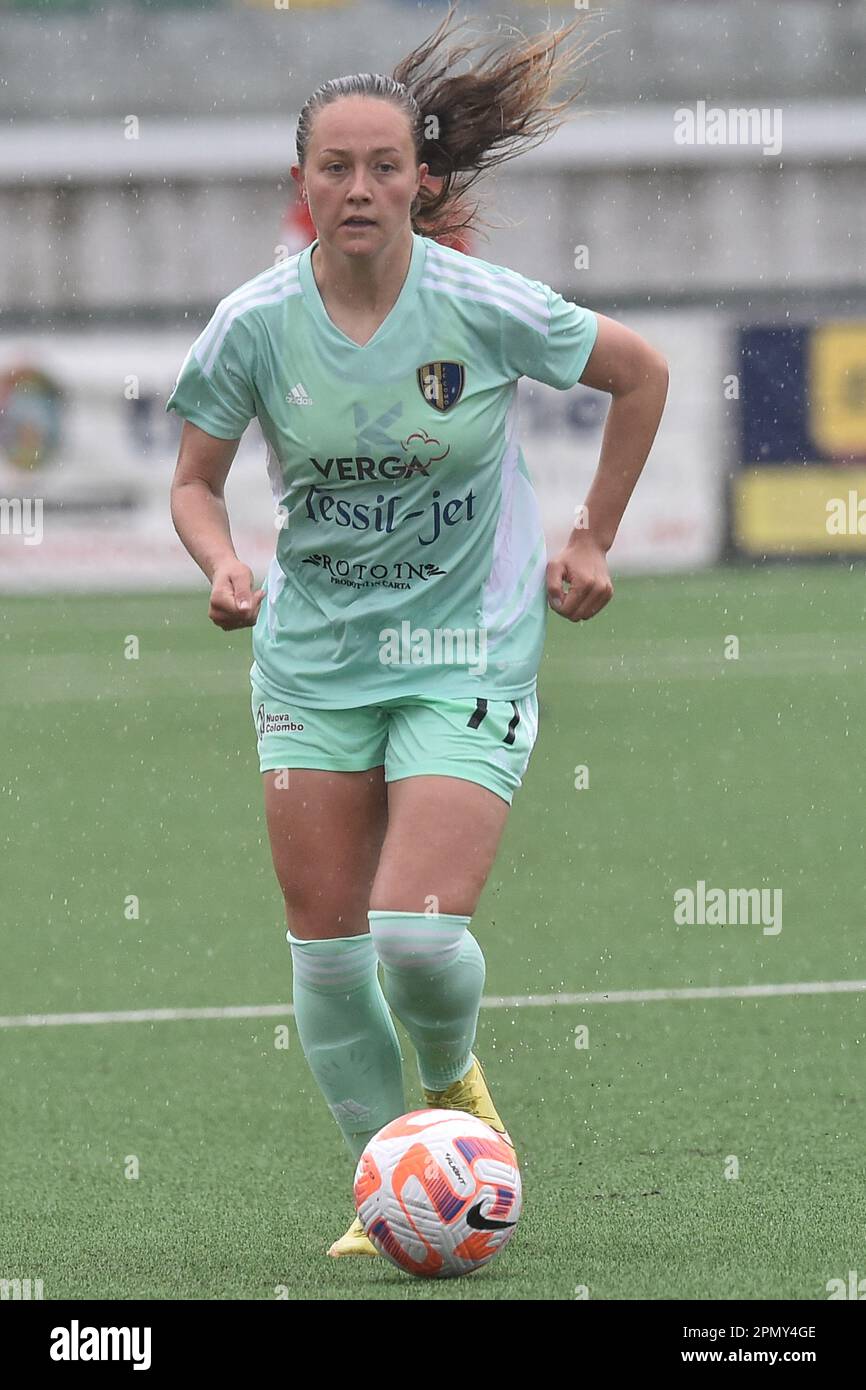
{"points": [[396, 314]]}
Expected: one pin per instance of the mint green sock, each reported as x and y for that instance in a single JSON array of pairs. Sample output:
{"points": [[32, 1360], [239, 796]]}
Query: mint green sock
{"points": [[347, 1033], [433, 977]]}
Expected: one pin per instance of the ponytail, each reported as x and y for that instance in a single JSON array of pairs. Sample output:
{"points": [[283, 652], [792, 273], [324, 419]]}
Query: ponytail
{"points": [[465, 123]]}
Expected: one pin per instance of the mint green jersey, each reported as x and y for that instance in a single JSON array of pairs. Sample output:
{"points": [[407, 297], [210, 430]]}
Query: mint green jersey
{"points": [[410, 557]]}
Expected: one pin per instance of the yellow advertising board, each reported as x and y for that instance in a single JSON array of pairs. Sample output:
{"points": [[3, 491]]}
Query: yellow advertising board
{"points": [[837, 379], [800, 509]]}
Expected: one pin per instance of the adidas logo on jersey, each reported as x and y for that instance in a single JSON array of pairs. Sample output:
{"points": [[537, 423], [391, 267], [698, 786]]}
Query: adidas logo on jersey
{"points": [[298, 395]]}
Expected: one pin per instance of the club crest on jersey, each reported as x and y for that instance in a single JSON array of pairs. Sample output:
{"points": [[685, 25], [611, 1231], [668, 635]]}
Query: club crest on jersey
{"points": [[442, 383]]}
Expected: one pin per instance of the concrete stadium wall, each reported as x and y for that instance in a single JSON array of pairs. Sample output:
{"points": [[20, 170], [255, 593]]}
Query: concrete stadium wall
{"points": [[95, 224], [244, 59]]}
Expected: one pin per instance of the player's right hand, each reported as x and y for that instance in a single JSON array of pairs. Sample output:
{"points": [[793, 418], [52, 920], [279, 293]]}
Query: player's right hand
{"points": [[232, 600]]}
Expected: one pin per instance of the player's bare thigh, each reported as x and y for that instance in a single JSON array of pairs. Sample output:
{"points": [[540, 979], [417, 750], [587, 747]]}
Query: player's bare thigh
{"points": [[441, 841], [326, 831]]}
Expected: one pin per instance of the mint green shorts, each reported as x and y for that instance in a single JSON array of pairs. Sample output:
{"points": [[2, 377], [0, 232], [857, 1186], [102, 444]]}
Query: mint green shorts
{"points": [[484, 741]]}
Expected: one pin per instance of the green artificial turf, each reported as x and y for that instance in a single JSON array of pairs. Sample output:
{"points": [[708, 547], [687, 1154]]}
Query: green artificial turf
{"points": [[139, 777]]}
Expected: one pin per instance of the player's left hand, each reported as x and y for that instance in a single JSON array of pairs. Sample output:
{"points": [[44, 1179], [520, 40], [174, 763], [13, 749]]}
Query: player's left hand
{"points": [[584, 566]]}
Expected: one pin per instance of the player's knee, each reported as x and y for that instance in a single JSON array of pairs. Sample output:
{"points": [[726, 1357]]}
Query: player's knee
{"points": [[315, 923]]}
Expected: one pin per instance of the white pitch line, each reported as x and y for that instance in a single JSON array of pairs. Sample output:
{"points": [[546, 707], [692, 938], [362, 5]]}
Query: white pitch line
{"points": [[651, 996], [148, 1015], [493, 1001]]}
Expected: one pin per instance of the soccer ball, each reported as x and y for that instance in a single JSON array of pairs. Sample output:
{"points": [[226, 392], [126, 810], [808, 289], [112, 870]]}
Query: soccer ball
{"points": [[438, 1192]]}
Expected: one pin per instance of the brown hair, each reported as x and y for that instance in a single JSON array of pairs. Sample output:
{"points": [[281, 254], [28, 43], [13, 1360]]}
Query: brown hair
{"points": [[463, 125]]}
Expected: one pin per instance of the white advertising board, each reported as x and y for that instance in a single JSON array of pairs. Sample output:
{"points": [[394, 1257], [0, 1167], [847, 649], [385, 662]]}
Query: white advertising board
{"points": [[675, 519], [85, 474]]}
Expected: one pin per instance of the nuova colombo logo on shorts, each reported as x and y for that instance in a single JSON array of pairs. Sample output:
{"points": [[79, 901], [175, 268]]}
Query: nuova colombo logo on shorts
{"points": [[270, 723]]}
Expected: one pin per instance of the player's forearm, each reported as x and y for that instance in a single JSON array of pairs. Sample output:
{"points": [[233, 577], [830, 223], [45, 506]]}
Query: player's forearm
{"points": [[201, 520], [629, 431]]}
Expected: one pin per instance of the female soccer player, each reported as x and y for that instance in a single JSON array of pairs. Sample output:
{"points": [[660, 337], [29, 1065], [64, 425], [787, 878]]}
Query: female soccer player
{"points": [[395, 660]]}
